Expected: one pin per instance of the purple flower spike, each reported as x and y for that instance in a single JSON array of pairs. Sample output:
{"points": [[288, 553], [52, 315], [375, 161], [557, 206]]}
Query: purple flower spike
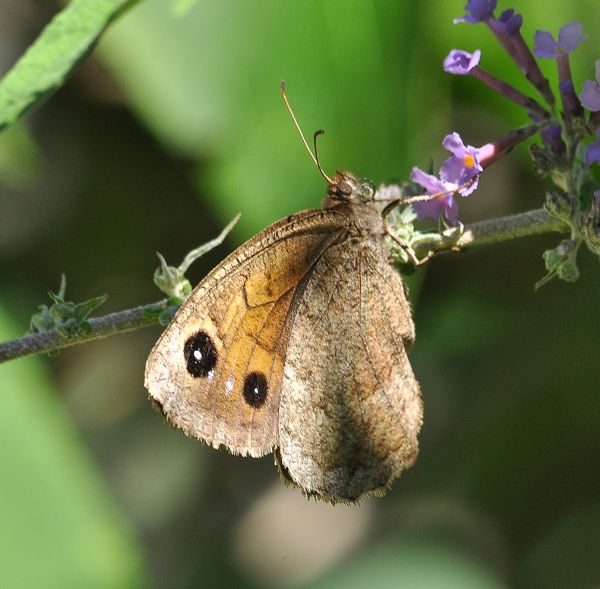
{"points": [[552, 138], [444, 204], [461, 62], [592, 155], [569, 38], [590, 95], [509, 23], [463, 166], [480, 10]]}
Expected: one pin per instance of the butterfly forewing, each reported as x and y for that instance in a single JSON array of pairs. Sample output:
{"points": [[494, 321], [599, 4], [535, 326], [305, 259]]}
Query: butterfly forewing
{"points": [[216, 370]]}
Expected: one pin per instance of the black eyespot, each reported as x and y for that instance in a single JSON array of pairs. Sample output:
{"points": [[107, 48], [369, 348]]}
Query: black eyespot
{"points": [[255, 389], [200, 354]]}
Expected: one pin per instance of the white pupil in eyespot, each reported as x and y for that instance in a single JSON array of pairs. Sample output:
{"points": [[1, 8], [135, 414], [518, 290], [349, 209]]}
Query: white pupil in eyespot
{"points": [[198, 354]]}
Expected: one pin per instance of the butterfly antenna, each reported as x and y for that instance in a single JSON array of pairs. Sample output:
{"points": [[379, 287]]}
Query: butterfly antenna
{"points": [[315, 136], [320, 132]]}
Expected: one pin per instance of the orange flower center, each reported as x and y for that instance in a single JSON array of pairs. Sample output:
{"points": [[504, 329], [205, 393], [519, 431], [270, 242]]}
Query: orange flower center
{"points": [[469, 161]]}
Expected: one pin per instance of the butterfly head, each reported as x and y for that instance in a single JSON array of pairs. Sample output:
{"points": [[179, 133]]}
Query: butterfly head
{"points": [[346, 187]]}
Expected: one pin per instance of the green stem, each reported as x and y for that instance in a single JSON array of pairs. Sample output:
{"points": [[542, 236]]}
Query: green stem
{"points": [[489, 232], [52, 340], [474, 235]]}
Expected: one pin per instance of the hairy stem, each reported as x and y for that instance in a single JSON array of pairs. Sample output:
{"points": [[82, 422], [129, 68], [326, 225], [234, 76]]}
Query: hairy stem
{"points": [[52, 340], [474, 235], [489, 232]]}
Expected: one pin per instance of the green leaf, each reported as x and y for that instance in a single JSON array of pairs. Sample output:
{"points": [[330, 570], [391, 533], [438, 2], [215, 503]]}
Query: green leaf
{"points": [[82, 310], [67, 317], [182, 7], [561, 262], [61, 46]]}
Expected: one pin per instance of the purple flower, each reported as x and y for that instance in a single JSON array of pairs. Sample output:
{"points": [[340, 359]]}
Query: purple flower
{"points": [[552, 138], [590, 95], [569, 38], [444, 203], [509, 23], [592, 154], [461, 62], [463, 166], [480, 10]]}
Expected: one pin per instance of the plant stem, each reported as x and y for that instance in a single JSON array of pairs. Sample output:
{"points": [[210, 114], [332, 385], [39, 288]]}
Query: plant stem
{"points": [[474, 235], [52, 340], [489, 232]]}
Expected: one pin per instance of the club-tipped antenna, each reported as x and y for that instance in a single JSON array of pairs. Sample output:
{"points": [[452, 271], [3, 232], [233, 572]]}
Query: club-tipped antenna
{"points": [[314, 156]]}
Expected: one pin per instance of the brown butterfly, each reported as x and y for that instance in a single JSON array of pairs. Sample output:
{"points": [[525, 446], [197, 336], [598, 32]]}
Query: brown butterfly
{"points": [[297, 344]]}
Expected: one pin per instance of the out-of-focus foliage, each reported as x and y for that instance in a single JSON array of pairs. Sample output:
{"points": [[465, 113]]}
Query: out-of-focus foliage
{"points": [[59, 527], [238, 119], [173, 125]]}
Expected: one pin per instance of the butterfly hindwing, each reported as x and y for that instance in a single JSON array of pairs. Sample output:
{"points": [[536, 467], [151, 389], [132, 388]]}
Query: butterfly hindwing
{"points": [[350, 406]]}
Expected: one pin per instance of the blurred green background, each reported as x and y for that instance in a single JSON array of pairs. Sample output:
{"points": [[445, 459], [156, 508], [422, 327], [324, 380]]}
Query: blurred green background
{"points": [[173, 125]]}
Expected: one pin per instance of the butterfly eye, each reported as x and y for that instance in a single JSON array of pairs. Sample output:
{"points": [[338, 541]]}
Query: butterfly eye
{"points": [[344, 189], [366, 190]]}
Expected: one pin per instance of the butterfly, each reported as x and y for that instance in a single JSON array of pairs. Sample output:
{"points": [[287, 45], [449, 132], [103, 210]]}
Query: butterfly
{"points": [[296, 344]]}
